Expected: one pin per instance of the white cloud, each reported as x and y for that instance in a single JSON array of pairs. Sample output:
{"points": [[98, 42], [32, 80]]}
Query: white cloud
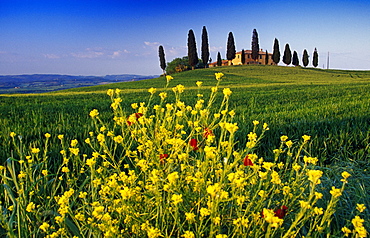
{"points": [[52, 56], [151, 44], [89, 53]]}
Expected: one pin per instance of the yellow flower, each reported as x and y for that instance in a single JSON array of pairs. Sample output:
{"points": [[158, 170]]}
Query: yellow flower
{"points": [[47, 135], [221, 236], [82, 195], [176, 199], [227, 92], [94, 113], [169, 78], [21, 174], [35, 150], [361, 207], [45, 226], [219, 76], [205, 212], [189, 216], [335, 192], [346, 231], [314, 176], [44, 172], [188, 234], [318, 210], [65, 169], [172, 177], [153, 232], [31, 207], [163, 95], [255, 122], [305, 204], [12, 134], [11, 208], [152, 90], [110, 92], [283, 138], [306, 138], [289, 143], [60, 137], [310, 160]]}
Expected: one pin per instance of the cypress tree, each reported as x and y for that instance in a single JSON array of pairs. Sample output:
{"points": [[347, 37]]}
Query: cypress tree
{"points": [[276, 52], [295, 61], [255, 45], [192, 50], [219, 60], [315, 60], [230, 54], [287, 57], [162, 59], [205, 47], [243, 57], [305, 58], [267, 58]]}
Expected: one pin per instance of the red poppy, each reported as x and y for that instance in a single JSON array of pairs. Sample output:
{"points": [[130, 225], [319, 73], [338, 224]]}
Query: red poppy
{"points": [[248, 161], [137, 115], [194, 143], [162, 158], [281, 212], [207, 132]]}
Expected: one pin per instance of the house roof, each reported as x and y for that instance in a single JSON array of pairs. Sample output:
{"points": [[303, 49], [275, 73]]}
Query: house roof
{"points": [[261, 52], [215, 63]]}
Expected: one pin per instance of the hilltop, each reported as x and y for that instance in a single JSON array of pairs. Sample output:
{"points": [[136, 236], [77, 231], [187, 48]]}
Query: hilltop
{"points": [[39, 83]]}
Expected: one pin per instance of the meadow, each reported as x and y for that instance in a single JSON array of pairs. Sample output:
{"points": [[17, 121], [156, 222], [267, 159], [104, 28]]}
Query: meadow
{"points": [[316, 120]]}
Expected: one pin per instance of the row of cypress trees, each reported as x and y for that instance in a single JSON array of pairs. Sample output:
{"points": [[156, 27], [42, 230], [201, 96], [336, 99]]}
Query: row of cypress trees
{"points": [[193, 59]]}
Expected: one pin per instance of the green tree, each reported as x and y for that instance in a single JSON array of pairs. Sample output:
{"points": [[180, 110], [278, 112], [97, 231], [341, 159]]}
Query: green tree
{"points": [[192, 50], [255, 45], [267, 58], [295, 60], [315, 60], [219, 60], [305, 58], [230, 54], [178, 65], [205, 47], [276, 52], [287, 57], [162, 59], [243, 57]]}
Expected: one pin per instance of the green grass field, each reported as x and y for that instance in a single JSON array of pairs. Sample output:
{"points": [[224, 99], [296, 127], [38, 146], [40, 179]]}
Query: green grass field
{"points": [[331, 106]]}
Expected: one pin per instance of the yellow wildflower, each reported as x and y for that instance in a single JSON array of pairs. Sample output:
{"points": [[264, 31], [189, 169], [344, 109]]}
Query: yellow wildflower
{"points": [[12, 134], [306, 138], [219, 76], [346, 231], [47, 135], [176, 199], [335, 192], [189, 216], [205, 212], [45, 226], [227, 92], [94, 113], [169, 78], [283, 138], [314, 176], [35, 150], [318, 210], [221, 236], [31, 207], [44, 172], [360, 207], [199, 83], [188, 234], [152, 90]]}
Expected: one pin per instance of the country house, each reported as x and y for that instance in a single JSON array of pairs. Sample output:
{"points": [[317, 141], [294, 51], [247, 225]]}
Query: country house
{"points": [[248, 59]]}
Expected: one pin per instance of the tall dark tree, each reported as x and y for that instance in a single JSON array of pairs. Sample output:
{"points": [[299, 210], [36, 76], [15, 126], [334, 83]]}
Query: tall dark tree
{"points": [[230, 54], [295, 60], [287, 57], [162, 59], [315, 60], [192, 50], [305, 58], [243, 57], [205, 47], [267, 58], [219, 60], [255, 45], [276, 52]]}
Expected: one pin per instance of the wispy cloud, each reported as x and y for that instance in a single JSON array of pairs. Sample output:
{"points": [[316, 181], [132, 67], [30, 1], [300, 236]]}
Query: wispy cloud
{"points": [[89, 53], [52, 56]]}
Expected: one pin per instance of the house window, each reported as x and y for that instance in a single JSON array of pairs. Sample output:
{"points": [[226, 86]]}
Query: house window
{"points": [[260, 56]]}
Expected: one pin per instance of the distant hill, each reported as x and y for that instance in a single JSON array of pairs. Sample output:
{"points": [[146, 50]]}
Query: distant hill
{"points": [[39, 83]]}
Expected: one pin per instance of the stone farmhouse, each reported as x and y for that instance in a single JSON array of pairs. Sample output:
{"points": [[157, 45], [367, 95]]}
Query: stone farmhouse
{"points": [[248, 59]]}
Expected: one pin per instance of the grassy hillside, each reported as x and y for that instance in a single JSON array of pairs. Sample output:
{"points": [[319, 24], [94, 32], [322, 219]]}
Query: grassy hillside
{"points": [[330, 105], [167, 169]]}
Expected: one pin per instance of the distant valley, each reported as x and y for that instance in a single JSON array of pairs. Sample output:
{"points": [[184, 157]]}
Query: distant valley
{"points": [[40, 83]]}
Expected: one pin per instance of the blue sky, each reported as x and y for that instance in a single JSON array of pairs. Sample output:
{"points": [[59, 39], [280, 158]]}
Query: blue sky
{"points": [[87, 37]]}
